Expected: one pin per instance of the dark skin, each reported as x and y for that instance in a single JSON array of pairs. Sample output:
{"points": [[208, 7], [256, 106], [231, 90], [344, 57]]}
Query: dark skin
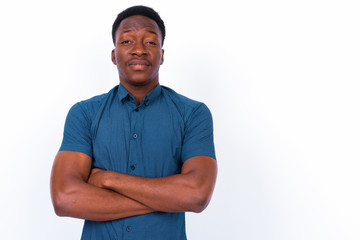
{"points": [[99, 195], [138, 55]]}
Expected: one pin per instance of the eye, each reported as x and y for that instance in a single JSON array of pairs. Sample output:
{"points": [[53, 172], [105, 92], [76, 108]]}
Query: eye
{"points": [[125, 42], [152, 43]]}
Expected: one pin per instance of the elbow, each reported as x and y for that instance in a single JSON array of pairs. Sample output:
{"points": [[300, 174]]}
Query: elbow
{"points": [[59, 204], [62, 204], [199, 202], [59, 211], [200, 205]]}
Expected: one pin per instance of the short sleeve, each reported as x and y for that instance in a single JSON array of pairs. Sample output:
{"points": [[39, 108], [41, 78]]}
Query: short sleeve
{"points": [[198, 139], [77, 136]]}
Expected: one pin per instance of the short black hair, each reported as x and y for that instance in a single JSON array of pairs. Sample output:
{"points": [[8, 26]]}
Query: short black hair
{"points": [[139, 10]]}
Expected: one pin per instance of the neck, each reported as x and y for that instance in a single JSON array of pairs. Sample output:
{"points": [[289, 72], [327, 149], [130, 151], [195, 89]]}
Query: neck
{"points": [[139, 91]]}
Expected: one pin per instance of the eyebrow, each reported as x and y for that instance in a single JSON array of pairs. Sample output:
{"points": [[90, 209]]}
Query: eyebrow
{"points": [[152, 32], [130, 30]]}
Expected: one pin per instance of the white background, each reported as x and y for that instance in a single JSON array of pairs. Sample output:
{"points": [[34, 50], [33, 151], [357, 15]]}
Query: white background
{"points": [[280, 77]]}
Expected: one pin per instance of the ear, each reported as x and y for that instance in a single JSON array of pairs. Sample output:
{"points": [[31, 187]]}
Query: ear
{"points": [[113, 59], [162, 57]]}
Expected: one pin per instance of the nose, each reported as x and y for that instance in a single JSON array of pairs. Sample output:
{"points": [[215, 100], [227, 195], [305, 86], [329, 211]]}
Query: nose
{"points": [[139, 49]]}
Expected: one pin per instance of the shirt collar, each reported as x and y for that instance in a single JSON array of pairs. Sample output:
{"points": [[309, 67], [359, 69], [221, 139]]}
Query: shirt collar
{"points": [[123, 93], [152, 95]]}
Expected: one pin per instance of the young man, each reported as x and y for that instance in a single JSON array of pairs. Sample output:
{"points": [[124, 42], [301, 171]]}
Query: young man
{"points": [[132, 161]]}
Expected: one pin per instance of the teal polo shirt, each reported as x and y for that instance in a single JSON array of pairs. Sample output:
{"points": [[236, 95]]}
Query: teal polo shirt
{"points": [[152, 139]]}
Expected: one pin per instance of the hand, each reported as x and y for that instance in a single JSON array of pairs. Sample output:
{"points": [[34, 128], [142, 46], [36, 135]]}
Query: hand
{"points": [[97, 177]]}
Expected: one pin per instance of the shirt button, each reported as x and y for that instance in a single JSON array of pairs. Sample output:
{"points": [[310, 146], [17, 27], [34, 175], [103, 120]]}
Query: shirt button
{"points": [[132, 167], [128, 228], [135, 135], [137, 109]]}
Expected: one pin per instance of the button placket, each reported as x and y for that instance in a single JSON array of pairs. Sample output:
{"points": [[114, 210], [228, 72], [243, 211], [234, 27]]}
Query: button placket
{"points": [[135, 116]]}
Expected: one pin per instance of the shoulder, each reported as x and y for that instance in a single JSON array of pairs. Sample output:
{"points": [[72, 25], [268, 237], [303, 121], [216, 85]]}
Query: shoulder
{"points": [[178, 98], [186, 106], [91, 106], [87, 109]]}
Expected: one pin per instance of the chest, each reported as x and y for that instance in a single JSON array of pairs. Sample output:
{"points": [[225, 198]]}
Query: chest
{"points": [[143, 141]]}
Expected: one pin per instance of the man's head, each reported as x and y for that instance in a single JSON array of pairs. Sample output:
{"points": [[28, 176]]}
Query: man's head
{"points": [[139, 10], [138, 51]]}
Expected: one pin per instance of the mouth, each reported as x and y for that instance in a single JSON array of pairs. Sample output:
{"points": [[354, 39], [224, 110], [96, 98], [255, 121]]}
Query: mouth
{"points": [[139, 65]]}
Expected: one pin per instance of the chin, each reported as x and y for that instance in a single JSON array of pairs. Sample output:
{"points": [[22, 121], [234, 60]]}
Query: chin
{"points": [[139, 82]]}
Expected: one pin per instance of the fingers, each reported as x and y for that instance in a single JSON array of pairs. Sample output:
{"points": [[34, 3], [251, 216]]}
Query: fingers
{"points": [[95, 170]]}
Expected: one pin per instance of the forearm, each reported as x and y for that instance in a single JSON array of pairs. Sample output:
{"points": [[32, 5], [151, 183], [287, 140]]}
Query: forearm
{"points": [[166, 194], [190, 190], [82, 200], [72, 196]]}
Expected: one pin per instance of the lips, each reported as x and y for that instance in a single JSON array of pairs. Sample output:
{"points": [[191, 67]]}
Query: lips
{"points": [[138, 64]]}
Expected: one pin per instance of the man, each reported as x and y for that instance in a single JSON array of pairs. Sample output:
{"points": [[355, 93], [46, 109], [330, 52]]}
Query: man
{"points": [[132, 161]]}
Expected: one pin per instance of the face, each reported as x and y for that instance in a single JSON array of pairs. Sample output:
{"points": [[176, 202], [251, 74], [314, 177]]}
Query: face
{"points": [[138, 52]]}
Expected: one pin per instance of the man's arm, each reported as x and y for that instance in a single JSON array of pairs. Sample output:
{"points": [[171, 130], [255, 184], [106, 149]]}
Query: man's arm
{"points": [[72, 196], [190, 190]]}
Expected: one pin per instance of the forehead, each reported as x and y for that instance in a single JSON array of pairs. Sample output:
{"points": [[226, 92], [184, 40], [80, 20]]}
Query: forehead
{"points": [[138, 22]]}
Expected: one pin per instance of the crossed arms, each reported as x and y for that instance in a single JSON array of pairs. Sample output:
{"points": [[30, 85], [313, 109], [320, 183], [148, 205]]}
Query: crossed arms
{"points": [[99, 195]]}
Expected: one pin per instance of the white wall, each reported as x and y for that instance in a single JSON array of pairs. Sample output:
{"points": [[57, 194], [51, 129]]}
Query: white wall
{"points": [[281, 79]]}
